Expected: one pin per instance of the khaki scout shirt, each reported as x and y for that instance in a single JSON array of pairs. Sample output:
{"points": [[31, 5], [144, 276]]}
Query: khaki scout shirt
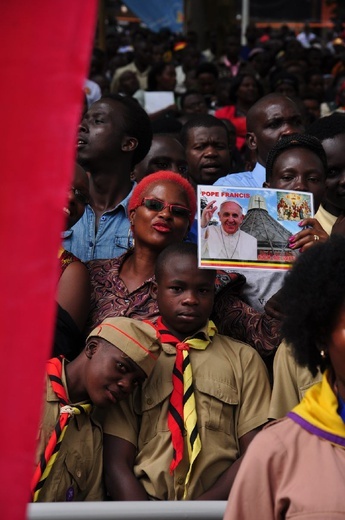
{"points": [[77, 472], [290, 382], [232, 395]]}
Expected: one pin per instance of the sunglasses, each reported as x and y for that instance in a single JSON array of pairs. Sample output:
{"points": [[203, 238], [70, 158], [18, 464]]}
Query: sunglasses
{"points": [[80, 196], [159, 205]]}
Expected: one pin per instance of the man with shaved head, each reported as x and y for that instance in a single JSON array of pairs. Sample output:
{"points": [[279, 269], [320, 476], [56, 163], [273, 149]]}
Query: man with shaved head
{"points": [[268, 120]]}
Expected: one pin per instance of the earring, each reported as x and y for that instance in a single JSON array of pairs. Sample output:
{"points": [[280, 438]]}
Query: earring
{"points": [[130, 238], [323, 354]]}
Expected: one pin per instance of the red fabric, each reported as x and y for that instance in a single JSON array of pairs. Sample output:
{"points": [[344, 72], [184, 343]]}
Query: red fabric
{"points": [[54, 371], [176, 404], [175, 412], [229, 112], [44, 60]]}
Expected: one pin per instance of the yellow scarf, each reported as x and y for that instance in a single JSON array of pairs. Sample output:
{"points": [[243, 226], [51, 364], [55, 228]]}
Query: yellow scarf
{"points": [[318, 413]]}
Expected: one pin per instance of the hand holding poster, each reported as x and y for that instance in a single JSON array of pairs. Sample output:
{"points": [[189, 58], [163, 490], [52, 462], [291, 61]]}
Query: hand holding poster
{"points": [[249, 228]]}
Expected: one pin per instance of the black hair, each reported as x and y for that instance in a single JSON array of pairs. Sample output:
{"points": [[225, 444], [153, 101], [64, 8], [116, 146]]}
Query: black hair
{"points": [[207, 68], [237, 82], [155, 71], [192, 92], [201, 121], [178, 249], [284, 77], [287, 142], [136, 123], [312, 297], [328, 127]]}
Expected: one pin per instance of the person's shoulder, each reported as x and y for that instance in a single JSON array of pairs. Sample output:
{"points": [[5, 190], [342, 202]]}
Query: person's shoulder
{"points": [[285, 430], [105, 265], [275, 437], [213, 229], [225, 111], [124, 68], [236, 180], [248, 236], [235, 347]]}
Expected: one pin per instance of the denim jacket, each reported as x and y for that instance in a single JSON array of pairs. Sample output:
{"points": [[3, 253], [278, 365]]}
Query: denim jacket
{"points": [[111, 240]]}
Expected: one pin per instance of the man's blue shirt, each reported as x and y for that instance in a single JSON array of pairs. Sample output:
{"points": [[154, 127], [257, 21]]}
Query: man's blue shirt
{"points": [[111, 240], [253, 179]]}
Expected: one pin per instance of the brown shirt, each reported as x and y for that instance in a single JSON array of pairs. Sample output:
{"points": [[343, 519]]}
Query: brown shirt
{"points": [[77, 472], [232, 395], [290, 382]]}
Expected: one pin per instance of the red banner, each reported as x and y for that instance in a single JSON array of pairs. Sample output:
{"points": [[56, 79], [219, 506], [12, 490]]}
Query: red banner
{"points": [[44, 59]]}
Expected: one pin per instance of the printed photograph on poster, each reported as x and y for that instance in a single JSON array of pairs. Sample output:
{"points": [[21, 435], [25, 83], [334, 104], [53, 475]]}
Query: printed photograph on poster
{"points": [[249, 227]]}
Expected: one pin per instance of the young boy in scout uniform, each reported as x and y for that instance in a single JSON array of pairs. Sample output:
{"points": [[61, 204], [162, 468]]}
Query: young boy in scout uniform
{"points": [[119, 354], [158, 447]]}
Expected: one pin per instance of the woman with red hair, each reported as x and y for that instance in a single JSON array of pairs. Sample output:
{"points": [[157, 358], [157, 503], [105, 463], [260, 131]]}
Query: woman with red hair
{"points": [[161, 211]]}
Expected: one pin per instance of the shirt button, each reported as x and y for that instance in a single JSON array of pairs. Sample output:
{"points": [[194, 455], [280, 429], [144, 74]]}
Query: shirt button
{"points": [[78, 473], [103, 218], [90, 244], [149, 400], [126, 301], [180, 481]]}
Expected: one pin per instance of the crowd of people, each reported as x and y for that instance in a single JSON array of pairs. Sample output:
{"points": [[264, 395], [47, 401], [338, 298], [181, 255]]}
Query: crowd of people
{"points": [[164, 373]]}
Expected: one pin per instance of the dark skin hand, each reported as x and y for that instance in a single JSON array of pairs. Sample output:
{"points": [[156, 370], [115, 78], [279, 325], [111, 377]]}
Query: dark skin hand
{"points": [[120, 481], [273, 307], [221, 488], [160, 113], [306, 238], [339, 225], [122, 484]]}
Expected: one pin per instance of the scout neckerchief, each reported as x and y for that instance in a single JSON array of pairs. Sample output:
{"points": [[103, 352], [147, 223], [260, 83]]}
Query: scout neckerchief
{"points": [[318, 413], [47, 459], [341, 408], [182, 413]]}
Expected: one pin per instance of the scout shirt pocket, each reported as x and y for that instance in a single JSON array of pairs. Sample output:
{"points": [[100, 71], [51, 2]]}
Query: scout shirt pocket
{"points": [[77, 476], [154, 409], [67, 480], [217, 404]]}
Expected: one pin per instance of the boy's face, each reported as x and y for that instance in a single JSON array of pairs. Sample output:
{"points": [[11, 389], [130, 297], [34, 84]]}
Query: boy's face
{"points": [[185, 295], [110, 375]]}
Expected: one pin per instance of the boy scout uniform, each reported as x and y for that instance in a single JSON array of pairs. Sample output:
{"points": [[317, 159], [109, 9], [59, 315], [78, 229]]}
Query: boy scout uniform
{"points": [[77, 472], [232, 396], [290, 382]]}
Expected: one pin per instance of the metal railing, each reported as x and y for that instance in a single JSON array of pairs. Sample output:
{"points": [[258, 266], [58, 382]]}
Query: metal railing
{"points": [[184, 510]]}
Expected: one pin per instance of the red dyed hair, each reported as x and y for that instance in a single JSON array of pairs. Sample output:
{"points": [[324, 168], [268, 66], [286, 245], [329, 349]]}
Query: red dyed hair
{"points": [[163, 175]]}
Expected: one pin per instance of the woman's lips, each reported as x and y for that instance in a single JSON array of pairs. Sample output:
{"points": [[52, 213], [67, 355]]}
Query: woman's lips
{"points": [[161, 228]]}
